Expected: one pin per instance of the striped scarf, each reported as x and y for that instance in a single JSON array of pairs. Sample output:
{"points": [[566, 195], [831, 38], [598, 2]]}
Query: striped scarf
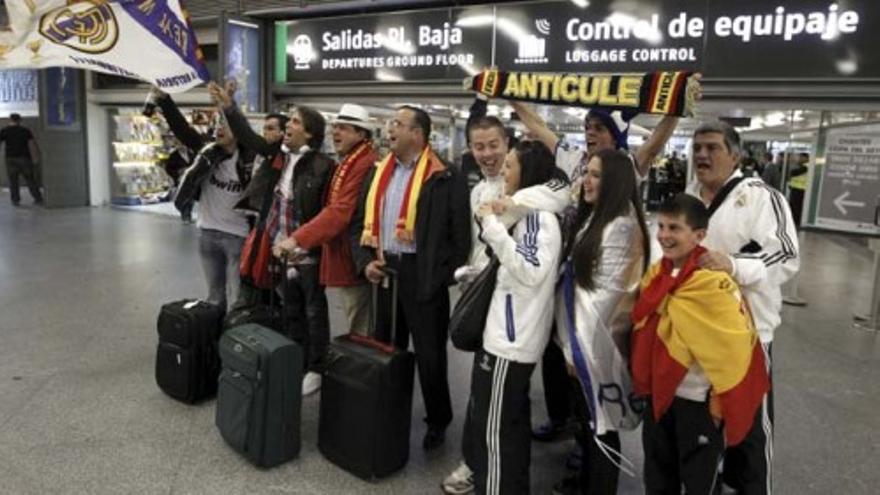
{"points": [[344, 168], [664, 93], [427, 165]]}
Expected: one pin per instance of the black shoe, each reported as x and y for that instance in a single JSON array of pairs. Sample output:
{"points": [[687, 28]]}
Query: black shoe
{"points": [[567, 486], [575, 459], [16, 203], [548, 431], [38, 202], [434, 438]]}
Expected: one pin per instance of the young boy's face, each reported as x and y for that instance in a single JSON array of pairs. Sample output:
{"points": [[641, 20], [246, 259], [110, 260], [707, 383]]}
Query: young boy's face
{"points": [[677, 238]]}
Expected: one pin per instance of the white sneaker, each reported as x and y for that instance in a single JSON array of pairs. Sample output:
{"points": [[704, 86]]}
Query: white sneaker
{"points": [[311, 383], [459, 481]]}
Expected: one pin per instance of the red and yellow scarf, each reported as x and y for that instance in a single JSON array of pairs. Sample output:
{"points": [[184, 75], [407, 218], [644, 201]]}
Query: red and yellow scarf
{"points": [[427, 165], [344, 168], [697, 317]]}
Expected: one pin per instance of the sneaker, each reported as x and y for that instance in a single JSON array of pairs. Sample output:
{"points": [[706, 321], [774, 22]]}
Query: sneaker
{"points": [[311, 383], [459, 481]]}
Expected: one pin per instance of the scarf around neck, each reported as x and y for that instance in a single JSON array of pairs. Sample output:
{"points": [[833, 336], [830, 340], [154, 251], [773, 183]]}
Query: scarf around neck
{"points": [[359, 151], [426, 166]]}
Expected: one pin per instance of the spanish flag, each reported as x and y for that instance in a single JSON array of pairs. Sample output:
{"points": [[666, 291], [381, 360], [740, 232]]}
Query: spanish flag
{"points": [[697, 316]]}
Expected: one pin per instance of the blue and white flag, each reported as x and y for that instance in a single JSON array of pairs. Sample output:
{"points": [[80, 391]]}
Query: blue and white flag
{"points": [[151, 40]]}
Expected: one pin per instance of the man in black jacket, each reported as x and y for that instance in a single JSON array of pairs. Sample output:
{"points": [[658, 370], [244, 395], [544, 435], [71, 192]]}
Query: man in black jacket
{"points": [[414, 217], [287, 191], [299, 197]]}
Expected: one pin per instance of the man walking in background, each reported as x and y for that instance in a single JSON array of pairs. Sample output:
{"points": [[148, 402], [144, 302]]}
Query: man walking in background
{"points": [[22, 155]]}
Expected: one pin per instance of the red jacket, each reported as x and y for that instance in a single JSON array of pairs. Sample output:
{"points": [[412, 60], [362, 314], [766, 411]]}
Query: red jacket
{"points": [[329, 229]]}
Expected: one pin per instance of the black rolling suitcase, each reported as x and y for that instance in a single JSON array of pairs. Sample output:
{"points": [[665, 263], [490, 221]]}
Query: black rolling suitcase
{"points": [[187, 364], [259, 396], [366, 402]]}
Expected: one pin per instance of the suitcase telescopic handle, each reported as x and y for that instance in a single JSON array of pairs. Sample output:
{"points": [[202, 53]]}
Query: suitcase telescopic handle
{"points": [[390, 278], [274, 298]]}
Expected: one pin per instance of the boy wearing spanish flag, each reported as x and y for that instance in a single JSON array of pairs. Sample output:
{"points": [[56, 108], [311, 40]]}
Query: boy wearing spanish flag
{"points": [[696, 357]]}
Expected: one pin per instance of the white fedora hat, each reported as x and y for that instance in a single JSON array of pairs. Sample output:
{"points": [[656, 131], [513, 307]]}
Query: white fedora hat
{"points": [[355, 115]]}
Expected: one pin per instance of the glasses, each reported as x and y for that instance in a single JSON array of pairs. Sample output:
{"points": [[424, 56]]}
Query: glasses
{"points": [[396, 124]]}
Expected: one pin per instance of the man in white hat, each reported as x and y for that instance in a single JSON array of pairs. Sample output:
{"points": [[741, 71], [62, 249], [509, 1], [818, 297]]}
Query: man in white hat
{"points": [[352, 140]]}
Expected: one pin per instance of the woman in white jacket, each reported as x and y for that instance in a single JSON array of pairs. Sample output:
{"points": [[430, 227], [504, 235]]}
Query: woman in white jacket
{"points": [[606, 254], [517, 330]]}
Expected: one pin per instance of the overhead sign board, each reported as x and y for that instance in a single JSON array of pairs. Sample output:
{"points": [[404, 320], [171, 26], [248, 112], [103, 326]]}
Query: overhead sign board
{"points": [[424, 45], [849, 195], [563, 37], [748, 39], [792, 39]]}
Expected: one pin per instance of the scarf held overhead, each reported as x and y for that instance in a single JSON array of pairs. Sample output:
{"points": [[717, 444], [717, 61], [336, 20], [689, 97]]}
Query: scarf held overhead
{"points": [[697, 317], [427, 165], [664, 93]]}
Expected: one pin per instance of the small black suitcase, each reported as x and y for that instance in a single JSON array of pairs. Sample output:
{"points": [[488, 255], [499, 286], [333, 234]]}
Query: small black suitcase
{"points": [[366, 402], [187, 364], [260, 394]]}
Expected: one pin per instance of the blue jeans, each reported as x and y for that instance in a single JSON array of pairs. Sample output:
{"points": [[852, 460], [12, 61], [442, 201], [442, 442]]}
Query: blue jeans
{"points": [[220, 253]]}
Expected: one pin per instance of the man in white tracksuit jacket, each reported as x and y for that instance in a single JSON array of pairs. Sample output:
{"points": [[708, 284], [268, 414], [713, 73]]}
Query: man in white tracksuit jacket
{"points": [[752, 237]]}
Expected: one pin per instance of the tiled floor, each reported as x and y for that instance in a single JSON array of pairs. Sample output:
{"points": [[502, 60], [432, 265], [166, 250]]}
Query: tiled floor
{"points": [[80, 412]]}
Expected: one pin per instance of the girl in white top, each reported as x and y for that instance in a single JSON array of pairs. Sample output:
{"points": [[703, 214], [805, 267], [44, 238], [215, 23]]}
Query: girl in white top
{"points": [[607, 253], [517, 330]]}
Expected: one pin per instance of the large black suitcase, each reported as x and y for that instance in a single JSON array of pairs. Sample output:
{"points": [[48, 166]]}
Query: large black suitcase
{"points": [[366, 402], [260, 394], [187, 364]]}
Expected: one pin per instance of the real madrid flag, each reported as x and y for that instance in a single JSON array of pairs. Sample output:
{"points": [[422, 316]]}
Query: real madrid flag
{"points": [[150, 40]]}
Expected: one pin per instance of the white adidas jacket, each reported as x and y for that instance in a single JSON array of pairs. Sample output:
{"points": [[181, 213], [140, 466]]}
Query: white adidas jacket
{"points": [[754, 226], [521, 312], [487, 190]]}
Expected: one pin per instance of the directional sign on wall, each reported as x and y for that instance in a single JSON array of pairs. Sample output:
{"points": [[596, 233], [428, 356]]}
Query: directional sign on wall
{"points": [[849, 197]]}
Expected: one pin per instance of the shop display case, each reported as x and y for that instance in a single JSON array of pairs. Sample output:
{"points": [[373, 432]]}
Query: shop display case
{"points": [[138, 149]]}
